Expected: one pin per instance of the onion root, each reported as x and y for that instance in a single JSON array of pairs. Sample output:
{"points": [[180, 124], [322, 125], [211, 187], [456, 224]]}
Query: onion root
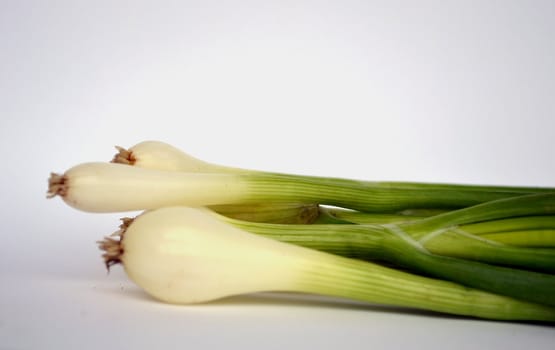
{"points": [[56, 185], [124, 156]]}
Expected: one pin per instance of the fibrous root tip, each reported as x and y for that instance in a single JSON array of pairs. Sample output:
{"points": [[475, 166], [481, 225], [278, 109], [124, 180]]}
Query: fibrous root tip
{"points": [[124, 156], [56, 185]]}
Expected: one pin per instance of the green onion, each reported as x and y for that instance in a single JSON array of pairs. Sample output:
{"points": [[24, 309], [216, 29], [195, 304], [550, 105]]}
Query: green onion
{"points": [[185, 255], [103, 187], [385, 196]]}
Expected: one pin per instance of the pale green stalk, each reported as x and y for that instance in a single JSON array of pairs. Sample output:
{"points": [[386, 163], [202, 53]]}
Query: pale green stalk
{"points": [[527, 205], [527, 231], [374, 242], [442, 235], [523, 223], [445, 233], [372, 283], [456, 243], [525, 238]]}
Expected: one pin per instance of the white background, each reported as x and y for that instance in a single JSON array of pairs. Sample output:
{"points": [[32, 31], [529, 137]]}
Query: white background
{"points": [[435, 91]]}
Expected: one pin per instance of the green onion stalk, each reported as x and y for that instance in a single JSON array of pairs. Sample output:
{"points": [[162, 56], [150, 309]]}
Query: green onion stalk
{"points": [[383, 243], [466, 233], [365, 196], [526, 231], [442, 234]]}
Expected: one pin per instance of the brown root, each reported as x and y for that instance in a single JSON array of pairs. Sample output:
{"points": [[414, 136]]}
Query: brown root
{"points": [[57, 185], [125, 222], [112, 251], [124, 156], [113, 247]]}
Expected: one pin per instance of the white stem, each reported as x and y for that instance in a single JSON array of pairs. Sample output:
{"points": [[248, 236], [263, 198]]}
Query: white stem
{"points": [[184, 255], [107, 187], [162, 156]]}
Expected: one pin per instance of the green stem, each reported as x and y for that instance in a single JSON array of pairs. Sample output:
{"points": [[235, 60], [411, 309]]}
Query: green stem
{"points": [[527, 285], [457, 243], [441, 236], [372, 283], [378, 197], [353, 241], [527, 238], [378, 243], [528, 205], [525, 223]]}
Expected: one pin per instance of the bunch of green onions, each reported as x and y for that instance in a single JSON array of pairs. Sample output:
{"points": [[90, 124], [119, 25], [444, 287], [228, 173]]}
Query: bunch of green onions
{"points": [[209, 231]]}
